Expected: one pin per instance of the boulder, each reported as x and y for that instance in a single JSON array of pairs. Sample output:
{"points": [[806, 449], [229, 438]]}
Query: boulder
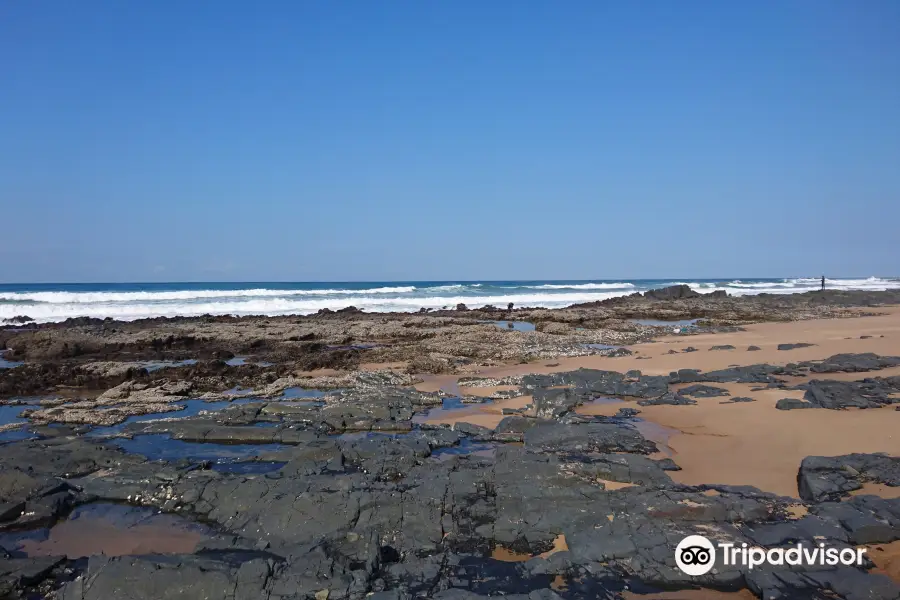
{"points": [[673, 292]]}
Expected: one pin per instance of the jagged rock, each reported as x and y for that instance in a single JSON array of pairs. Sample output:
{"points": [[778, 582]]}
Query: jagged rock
{"points": [[552, 404], [515, 424], [703, 391], [829, 478], [868, 393], [851, 363], [603, 383], [793, 403], [673, 398], [723, 347], [626, 413], [590, 437], [673, 292]]}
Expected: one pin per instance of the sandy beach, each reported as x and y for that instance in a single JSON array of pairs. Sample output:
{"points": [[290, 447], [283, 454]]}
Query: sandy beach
{"points": [[749, 443]]}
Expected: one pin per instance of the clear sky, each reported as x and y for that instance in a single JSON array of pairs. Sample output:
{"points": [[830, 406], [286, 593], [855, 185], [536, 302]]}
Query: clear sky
{"points": [[383, 140]]}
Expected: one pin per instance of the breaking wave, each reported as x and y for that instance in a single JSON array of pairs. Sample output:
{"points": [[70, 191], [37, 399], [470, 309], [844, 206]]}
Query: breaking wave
{"points": [[47, 303]]}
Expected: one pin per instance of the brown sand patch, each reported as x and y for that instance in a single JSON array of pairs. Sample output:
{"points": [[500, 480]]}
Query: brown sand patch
{"points": [[436, 383], [605, 407], [886, 558], [559, 545], [797, 511], [756, 444], [507, 555], [877, 489], [614, 485]]}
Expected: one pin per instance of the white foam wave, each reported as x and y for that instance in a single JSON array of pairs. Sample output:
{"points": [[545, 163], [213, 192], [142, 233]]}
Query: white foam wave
{"points": [[581, 286], [280, 306], [58, 306]]}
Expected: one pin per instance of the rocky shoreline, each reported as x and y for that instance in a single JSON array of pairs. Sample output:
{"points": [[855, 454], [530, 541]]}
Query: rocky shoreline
{"points": [[301, 474]]}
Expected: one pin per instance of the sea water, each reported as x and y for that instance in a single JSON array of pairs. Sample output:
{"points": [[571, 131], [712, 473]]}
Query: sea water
{"points": [[127, 301]]}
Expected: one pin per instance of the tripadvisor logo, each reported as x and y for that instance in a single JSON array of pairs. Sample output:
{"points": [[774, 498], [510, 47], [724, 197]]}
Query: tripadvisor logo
{"points": [[695, 555]]}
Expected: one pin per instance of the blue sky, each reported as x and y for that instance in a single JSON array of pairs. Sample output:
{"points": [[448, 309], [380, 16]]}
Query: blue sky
{"points": [[226, 140]]}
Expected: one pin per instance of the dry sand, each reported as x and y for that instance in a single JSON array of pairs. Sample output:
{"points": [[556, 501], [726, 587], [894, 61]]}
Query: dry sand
{"points": [[737, 443], [886, 558]]}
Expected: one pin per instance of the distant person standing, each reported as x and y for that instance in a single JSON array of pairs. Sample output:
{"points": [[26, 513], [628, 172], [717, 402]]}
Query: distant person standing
{"points": [[823, 283]]}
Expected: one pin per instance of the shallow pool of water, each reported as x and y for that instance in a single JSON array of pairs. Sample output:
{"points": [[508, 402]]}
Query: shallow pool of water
{"points": [[659, 434], [156, 365], [160, 446], [466, 447], [514, 325], [109, 529], [192, 408], [238, 361], [8, 364], [10, 414], [248, 467], [658, 323], [299, 392], [450, 407]]}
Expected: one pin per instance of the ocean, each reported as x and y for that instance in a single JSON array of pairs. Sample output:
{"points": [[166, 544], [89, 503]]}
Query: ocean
{"points": [[127, 301]]}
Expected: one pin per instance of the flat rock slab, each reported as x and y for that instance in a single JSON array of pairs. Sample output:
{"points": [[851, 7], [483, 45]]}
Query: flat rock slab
{"points": [[833, 477], [793, 346], [703, 391], [589, 437]]}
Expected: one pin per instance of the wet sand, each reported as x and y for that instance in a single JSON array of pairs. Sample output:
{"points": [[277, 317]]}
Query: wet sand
{"points": [[740, 443]]}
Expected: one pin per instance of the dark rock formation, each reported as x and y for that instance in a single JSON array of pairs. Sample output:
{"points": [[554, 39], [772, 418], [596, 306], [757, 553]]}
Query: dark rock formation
{"points": [[868, 393], [737, 399], [793, 403], [852, 363], [674, 292], [833, 477], [703, 391], [792, 346], [672, 398]]}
